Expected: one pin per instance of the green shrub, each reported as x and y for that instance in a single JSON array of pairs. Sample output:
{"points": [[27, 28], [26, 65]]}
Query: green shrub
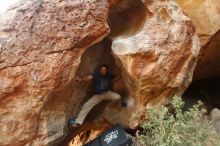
{"points": [[182, 128]]}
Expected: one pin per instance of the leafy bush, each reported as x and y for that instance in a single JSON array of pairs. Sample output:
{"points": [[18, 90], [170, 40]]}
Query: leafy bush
{"points": [[181, 128]]}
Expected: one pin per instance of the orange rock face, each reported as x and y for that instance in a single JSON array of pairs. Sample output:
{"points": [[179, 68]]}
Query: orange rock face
{"points": [[157, 61], [41, 43], [44, 44], [205, 15], [209, 60]]}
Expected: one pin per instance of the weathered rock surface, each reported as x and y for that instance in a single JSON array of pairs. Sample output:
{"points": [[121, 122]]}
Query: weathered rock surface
{"points": [[43, 45], [205, 15], [215, 117], [157, 61], [209, 60]]}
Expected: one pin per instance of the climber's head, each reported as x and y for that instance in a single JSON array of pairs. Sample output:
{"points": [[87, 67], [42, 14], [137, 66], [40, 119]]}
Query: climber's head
{"points": [[103, 70]]}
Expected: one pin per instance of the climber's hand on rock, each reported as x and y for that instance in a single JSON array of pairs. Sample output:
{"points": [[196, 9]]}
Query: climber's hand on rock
{"points": [[78, 79]]}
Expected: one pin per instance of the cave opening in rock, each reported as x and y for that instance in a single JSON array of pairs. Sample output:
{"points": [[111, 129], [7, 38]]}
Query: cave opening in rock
{"points": [[125, 19], [206, 90], [93, 57], [206, 80]]}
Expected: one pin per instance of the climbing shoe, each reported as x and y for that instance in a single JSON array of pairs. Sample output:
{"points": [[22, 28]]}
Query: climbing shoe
{"points": [[123, 102], [73, 124]]}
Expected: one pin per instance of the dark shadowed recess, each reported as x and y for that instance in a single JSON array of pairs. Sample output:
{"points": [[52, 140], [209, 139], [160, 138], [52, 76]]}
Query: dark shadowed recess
{"points": [[207, 90]]}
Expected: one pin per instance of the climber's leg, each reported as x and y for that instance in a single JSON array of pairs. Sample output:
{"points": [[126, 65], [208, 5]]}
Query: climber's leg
{"points": [[110, 95], [88, 106]]}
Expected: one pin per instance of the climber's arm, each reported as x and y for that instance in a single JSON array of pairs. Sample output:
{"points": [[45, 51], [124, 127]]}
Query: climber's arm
{"points": [[117, 78], [84, 78]]}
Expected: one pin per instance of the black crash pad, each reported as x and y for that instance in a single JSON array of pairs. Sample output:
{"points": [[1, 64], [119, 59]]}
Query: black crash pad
{"points": [[116, 136]]}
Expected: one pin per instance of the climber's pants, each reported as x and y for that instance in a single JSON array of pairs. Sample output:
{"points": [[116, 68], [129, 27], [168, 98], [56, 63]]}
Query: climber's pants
{"points": [[94, 100]]}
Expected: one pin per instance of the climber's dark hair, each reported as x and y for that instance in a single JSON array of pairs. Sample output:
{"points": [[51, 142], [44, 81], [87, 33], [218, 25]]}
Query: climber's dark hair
{"points": [[97, 69], [103, 65]]}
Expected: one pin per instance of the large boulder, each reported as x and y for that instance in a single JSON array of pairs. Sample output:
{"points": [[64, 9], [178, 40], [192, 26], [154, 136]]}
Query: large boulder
{"points": [[44, 44], [41, 43], [157, 61], [205, 15]]}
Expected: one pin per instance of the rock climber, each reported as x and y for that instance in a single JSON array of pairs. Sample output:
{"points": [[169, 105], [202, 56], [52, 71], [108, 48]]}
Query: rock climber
{"points": [[102, 80]]}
